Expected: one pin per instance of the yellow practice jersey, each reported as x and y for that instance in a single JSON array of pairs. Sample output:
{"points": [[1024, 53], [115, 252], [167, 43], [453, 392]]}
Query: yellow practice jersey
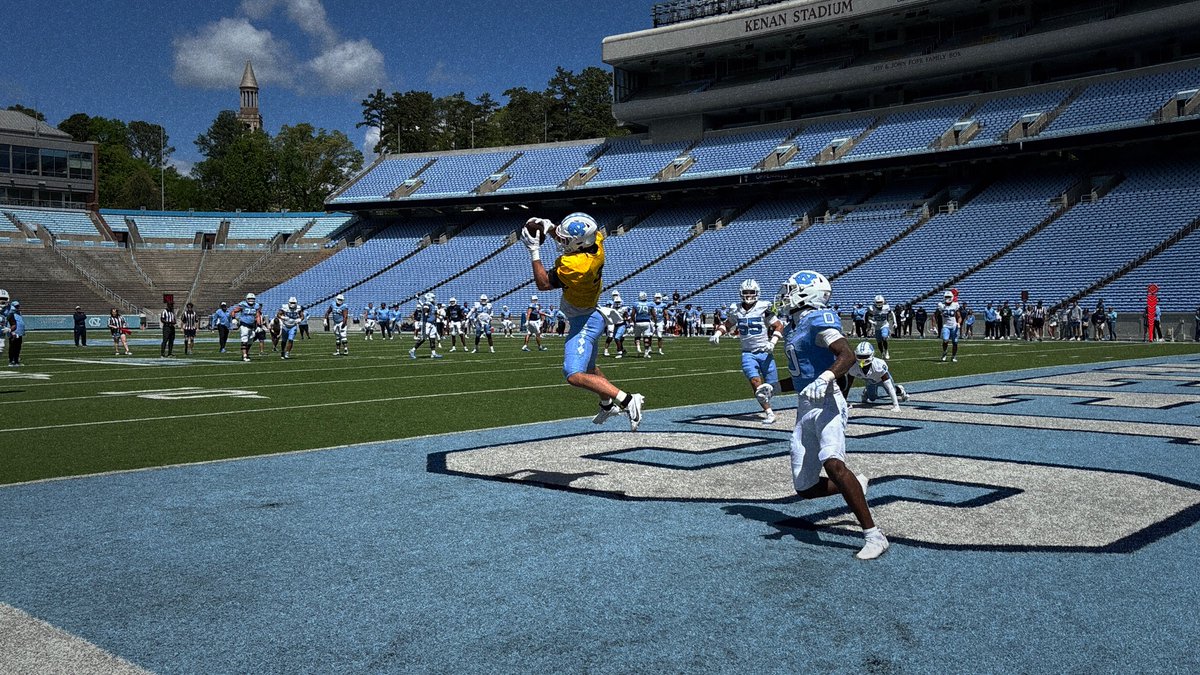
{"points": [[578, 274]]}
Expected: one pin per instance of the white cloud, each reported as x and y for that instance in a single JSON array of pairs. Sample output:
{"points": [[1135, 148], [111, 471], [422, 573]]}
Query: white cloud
{"points": [[215, 56], [370, 138], [441, 74], [183, 166]]}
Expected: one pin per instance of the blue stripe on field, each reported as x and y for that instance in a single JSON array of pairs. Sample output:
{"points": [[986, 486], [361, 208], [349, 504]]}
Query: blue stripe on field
{"points": [[360, 559]]}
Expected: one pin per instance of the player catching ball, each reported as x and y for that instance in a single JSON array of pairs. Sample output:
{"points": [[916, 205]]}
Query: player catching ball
{"points": [[577, 272]]}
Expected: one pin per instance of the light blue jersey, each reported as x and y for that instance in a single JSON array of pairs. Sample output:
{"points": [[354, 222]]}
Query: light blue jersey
{"points": [[222, 317], [246, 313], [660, 311], [642, 311], [335, 310], [808, 338]]}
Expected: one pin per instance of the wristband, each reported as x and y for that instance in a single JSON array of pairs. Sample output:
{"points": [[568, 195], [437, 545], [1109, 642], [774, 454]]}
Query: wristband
{"points": [[535, 254], [828, 376]]}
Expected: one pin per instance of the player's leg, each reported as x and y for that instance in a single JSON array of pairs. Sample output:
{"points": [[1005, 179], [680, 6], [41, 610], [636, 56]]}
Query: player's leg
{"points": [[945, 341], [579, 366], [954, 343]]}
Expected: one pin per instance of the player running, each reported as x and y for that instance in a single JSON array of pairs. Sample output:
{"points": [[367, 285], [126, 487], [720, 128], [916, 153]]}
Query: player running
{"points": [[481, 314], [290, 317], [874, 371], [817, 355], [533, 324], [881, 320], [759, 330], [340, 312], [427, 316], [578, 273], [249, 317], [951, 318]]}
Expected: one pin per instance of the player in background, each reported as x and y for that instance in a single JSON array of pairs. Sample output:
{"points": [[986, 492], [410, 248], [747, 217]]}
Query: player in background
{"points": [[615, 330], [427, 316], [481, 314], [340, 312], [950, 317], [533, 324], [644, 320], [578, 273], [370, 319], [190, 321], [249, 317], [383, 320], [290, 317], [506, 323], [881, 320], [660, 324], [759, 330], [818, 355], [874, 371], [454, 325]]}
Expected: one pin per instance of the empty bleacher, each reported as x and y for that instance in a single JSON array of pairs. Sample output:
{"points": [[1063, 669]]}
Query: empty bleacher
{"points": [[1122, 102], [546, 168], [60, 222], [633, 160], [461, 174]]}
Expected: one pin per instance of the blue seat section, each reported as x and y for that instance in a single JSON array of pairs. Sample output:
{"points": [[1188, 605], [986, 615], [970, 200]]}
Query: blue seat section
{"points": [[999, 115], [436, 262], [350, 265], [716, 252], [461, 174], [6, 225], [265, 225], [163, 225], [649, 239], [734, 152], [503, 272], [327, 224], [631, 160], [1124, 102], [950, 244], [546, 168], [1174, 270], [815, 138], [58, 221], [1092, 240], [911, 131], [382, 179]]}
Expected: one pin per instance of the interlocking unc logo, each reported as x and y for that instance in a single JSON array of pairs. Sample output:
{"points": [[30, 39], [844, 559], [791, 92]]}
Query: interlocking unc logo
{"points": [[576, 228], [802, 278]]}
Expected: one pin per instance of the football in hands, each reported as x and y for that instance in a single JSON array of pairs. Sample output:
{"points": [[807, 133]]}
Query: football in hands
{"points": [[536, 229]]}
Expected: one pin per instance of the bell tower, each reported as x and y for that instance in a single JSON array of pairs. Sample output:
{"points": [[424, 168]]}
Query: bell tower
{"points": [[248, 113]]}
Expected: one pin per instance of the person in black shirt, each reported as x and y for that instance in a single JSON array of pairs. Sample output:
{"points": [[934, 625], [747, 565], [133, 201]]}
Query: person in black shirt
{"points": [[80, 327], [167, 319], [191, 322], [921, 316]]}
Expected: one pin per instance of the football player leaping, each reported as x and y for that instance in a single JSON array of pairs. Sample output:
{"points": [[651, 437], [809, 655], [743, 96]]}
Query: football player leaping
{"points": [[577, 272], [881, 320], [759, 330], [951, 318], [817, 355], [874, 371], [481, 314], [427, 327], [340, 312]]}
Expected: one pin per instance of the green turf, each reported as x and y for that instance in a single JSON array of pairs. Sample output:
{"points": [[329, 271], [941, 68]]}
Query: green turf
{"points": [[85, 419]]}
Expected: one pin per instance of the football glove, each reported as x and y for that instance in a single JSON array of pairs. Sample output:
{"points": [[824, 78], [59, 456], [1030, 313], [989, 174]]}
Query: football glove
{"points": [[816, 390], [530, 240]]}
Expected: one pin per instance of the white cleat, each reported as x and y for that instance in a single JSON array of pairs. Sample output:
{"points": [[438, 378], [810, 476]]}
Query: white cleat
{"points": [[660, 352], [454, 349], [525, 348], [943, 358], [769, 417], [492, 350], [472, 351], [412, 353], [895, 408], [954, 360], [606, 413], [606, 352], [763, 393], [646, 355], [634, 410], [875, 546]]}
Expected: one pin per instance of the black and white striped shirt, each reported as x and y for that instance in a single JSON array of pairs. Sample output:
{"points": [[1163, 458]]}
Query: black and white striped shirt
{"points": [[190, 319], [167, 318]]}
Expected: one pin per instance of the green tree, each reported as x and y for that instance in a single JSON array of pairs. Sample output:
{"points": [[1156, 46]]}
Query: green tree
{"points": [[238, 167], [592, 105], [148, 142], [28, 111], [523, 120], [407, 122], [310, 164], [78, 125]]}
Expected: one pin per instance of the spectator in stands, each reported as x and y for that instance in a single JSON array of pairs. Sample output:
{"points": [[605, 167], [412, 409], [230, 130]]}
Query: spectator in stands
{"points": [[222, 321], [1006, 315], [120, 332], [80, 327], [16, 334], [167, 319], [921, 317]]}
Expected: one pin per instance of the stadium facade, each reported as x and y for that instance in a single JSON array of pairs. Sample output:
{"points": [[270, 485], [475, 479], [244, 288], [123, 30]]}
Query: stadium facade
{"points": [[42, 166]]}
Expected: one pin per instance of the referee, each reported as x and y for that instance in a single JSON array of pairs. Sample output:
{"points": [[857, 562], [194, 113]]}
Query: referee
{"points": [[167, 319]]}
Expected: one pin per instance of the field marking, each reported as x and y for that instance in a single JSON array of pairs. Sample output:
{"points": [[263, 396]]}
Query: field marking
{"points": [[388, 399], [30, 645]]}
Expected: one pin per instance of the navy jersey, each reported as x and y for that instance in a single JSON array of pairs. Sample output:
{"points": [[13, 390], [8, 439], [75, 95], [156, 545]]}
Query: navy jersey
{"points": [[454, 313], [808, 339], [534, 313]]}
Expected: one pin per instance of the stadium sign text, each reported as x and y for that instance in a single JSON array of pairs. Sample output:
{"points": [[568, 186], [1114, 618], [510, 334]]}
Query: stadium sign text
{"points": [[798, 16]]}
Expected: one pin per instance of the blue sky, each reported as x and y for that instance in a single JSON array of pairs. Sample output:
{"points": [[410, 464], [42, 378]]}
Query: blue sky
{"points": [[178, 62]]}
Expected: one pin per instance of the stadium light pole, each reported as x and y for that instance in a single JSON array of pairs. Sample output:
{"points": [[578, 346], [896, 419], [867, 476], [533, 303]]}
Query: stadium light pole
{"points": [[162, 169]]}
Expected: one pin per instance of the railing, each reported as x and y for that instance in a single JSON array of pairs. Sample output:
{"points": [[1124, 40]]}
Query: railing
{"points": [[677, 11], [252, 267], [95, 283]]}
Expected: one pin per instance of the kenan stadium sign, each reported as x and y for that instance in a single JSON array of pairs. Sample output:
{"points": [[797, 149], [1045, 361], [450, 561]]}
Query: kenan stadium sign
{"points": [[799, 16]]}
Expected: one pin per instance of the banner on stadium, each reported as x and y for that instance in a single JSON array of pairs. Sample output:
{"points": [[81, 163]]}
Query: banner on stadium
{"points": [[67, 322]]}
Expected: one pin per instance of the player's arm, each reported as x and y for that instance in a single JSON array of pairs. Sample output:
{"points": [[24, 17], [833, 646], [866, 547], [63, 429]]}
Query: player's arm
{"points": [[888, 384], [776, 327]]}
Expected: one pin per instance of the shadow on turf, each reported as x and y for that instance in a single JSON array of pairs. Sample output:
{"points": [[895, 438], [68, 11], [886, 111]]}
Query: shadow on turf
{"points": [[802, 530]]}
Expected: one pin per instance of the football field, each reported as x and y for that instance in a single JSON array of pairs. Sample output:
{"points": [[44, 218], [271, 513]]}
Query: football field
{"points": [[464, 515], [71, 411]]}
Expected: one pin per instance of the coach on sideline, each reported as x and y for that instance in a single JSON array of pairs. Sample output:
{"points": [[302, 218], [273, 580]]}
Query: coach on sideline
{"points": [[80, 327], [221, 321]]}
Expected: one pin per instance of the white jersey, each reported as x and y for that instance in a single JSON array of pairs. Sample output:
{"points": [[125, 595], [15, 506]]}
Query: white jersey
{"points": [[880, 317], [481, 313], [876, 370], [949, 314], [753, 324]]}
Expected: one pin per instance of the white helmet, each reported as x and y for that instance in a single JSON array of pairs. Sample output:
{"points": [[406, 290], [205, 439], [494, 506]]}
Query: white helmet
{"points": [[864, 351], [483, 298], [948, 296], [340, 298], [454, 301], [250, 298], [576, 232], [642, 296], [658, 297], [879, 301], [505, 308], [292, 302], [805, 289], [3, 297], [430, 297], [533, 298], [749, 291]]}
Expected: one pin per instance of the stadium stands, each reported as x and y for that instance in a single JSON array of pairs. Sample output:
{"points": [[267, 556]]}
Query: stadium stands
{"points": [[546, 168], [734, 152], [907, 132], [1123, 102], [381, 179], [633, 160], [997, 116], [1173, 270], [60, 222]]}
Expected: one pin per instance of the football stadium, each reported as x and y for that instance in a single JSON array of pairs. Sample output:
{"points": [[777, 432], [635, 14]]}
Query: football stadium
{"points": [[787, 336]]}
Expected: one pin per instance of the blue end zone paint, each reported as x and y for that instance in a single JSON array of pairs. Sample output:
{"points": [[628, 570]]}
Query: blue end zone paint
{"points": [[362, 559]]}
